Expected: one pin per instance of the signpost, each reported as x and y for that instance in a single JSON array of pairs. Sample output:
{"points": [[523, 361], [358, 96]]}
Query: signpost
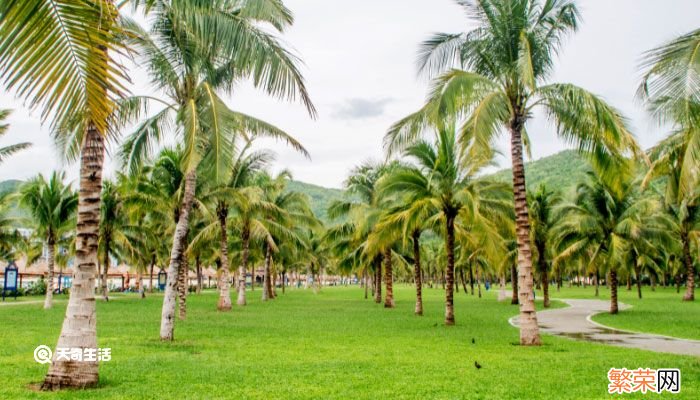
{"points": [[162, 278], [10, 284]]}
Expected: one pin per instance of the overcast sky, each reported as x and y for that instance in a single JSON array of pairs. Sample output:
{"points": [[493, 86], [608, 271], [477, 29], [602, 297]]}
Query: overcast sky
{"points": [[360, 66]]}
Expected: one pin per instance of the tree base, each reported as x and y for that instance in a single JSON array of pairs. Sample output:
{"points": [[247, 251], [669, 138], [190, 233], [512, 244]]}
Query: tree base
{"points": [[73, 375]]}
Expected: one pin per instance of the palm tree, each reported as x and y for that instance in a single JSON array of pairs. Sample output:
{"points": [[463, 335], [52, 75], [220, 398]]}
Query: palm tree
{"points": [[542, 205], [196, 51], [361, 212], [66, 69], [112, 222], [670, 90], [504, 63], [445, 185], [291, 218], [608, 226], [52, 205], [7, 151]]}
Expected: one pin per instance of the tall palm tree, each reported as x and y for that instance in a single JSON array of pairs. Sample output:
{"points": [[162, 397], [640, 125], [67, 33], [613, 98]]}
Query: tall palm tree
{"points": [[196, 51], [66, 69], [503, 65], [445, 184], [7, 151], [542, 205], [52, 205], [671, 92]]}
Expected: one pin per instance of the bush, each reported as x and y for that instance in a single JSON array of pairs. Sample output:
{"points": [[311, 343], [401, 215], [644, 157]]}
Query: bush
{"points": [[38, 288]]}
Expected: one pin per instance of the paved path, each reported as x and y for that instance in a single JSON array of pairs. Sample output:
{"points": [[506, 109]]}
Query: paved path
{"points": [[575, 322]]}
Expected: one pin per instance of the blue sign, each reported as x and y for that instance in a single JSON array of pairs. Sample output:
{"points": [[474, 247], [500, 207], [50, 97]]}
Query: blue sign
{"points": [[11, 276], [162, 279]]}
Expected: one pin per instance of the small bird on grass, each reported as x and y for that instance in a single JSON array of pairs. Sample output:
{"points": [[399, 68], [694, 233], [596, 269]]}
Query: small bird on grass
{"points": [[473, 341], [477, 365]]}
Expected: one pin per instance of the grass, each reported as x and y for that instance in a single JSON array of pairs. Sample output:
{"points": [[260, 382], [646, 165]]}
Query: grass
{"points": [[660, 311], [330, 345]]}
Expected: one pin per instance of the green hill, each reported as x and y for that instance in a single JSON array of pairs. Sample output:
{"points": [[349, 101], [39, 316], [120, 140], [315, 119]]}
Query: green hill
{"points": [[560, 171], [321, 197]]}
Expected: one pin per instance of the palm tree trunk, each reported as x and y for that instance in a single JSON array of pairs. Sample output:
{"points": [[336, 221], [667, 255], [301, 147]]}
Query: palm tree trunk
{"points": [[79, 328], [638, 275], [48, 302], [558, 278], [243, 269], [529, 331], [544, 269], [597, 282], [198, 268], [450, 273], [417, 273], [105, 268], [224, 303], [150, 278], [478, 282], [471, 277], [167, 322], [183, 286], [514, 284], [463, 279], [377, 280], [267, 287], [545, 289], [690, 270], [388, 276], [613, 291], [365, 279], [142, 290], [284, 279]]}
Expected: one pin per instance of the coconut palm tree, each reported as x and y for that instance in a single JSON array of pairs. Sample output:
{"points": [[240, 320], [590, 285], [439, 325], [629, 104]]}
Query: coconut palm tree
{"points": [[444, 183], [361, 212], [499, 81], [292, 218], [66, 69], [670, 90], [196, 51], [113, 220], [52, 205], [608, 226], [7, 151], [542, 205]]}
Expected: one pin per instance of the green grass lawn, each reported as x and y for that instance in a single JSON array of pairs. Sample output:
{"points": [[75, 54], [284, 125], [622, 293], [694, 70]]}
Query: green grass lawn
{"points": [[660, 311], [330, 345]]}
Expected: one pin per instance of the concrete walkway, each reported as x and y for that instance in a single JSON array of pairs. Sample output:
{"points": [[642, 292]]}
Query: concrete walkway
{"points": [[575, 322]]}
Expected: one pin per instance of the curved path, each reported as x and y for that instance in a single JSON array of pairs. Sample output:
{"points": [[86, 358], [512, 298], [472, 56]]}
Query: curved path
{"points": [[575, 322]]}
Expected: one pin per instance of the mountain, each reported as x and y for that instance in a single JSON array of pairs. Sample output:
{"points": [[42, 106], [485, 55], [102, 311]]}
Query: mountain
{"points": [[321, 197], [560, 171]]}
